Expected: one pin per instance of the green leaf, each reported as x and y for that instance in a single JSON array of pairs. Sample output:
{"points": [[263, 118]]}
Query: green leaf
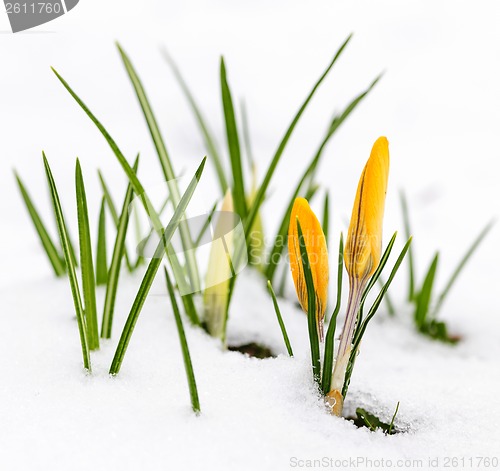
{"points": [[166, 164], [114, 214], [86, 261], [246, 137], [411, 265], [373, 310], [259, 197], [309, 174], [134, 180], [101, 257], [311, 308], [475, 244], [423, 298], [330, 333], [151, 271], [326, 215], [371, 421], [280, 319], [233, 144], [75, 290], [193, 391], [202, 124], [391, 425], [115, 266], [52, 252]]}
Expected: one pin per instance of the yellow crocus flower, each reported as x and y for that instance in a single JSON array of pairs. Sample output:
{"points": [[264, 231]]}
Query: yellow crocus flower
{"points": [[362, 254], [315, 243]]}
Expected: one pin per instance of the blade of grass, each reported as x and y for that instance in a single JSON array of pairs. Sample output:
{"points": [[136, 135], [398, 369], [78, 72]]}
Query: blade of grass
{"points": [[330, 333], [86, 262], [114, 268], [205, 226], [114, 214], [391, 425], [101, 257], [246, 136], [326, 215], [151, 271], [280, 319], [134, 180], [460, 266], [411, 265], [233, 144], [373, 309], [75, 289], [259, 197], [423, 298], [166, 164], [311, 308], [52, 252], [309, 173], [373, 280], [188, 365], [202, 124]]}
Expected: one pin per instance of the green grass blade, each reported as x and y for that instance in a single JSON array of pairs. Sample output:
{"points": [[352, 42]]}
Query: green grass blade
{"points": [[280, 319], [188, 365], [391, 425], [246, 136], [233, 144], [309, 173], [114, 214], [115, 266], [259, 197], [151, 271], [411, 264], [373, 280], [102, 255], [340, 118], [52, 252], [134, 180], [166, 164], [75, 289], [208, 137], [461, 265], [388, 300], [326, 215], [373, 310], [423, 298], [311, 305], [86, 261], [205, 226], [136, 184], [330, 333]]}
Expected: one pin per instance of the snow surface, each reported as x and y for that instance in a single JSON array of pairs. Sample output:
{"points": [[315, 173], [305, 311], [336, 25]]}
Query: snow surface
{"points": [[438, 105]]}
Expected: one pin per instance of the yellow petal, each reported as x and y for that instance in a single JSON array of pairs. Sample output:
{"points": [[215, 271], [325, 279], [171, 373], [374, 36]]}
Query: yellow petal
{"points": [[317, 253], [364, 239]]}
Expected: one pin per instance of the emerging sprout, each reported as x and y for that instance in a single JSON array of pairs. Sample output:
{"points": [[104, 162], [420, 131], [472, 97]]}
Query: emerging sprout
{"points": [[216, 294], [315, 244]]}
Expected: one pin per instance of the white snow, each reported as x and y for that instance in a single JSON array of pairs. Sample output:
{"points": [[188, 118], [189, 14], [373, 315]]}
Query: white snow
{"points": [[437, 104]]}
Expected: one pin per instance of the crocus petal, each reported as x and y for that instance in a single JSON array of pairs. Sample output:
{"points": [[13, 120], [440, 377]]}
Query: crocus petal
{"points": [[364, 239], [317, 253]]}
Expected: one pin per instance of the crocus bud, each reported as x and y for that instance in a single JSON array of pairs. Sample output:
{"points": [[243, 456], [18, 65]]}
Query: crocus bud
{"points": [[216, 294], [315, 243], [364, 239]]}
